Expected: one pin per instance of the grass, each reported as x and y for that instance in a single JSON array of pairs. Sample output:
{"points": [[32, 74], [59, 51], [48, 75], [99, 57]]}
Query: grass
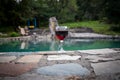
{"points": [[98, 27]]}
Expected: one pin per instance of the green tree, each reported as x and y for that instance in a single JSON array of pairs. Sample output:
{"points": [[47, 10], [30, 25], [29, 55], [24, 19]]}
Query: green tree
{"points": [[67, 10], [88, 9], [61, 9], [7, 11], [13, 13], [112, 11]]}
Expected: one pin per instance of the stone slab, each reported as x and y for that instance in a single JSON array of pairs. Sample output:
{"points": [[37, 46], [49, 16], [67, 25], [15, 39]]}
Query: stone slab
{"points": [[62, 57], [12, 69], [106, 67], [96, 58], [2, 53], [63, 70], [54, 52], [88, 35], [29, 59], [98, 51], [6, 59]]}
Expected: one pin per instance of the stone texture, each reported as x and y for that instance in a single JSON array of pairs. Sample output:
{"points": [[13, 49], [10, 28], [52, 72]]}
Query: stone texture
{"points": [[96, 58], [12, 69], [2, 53], [88, 35], [62, 57], [106, 67], [98, 51], [30, 59], [6, 59], [63, 69], [34, 77]]}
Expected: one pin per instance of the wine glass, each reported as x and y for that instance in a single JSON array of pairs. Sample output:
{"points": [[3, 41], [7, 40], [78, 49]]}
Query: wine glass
{"points": [[61, 32]]}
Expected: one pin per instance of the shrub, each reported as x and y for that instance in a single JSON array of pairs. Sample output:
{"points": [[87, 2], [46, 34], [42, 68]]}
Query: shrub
{"points": [[14, 34]]}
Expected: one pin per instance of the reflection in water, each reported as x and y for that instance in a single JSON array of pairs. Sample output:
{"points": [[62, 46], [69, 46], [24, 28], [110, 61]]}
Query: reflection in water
{"points": [[54, 45], [50, 45], [24, 45]]}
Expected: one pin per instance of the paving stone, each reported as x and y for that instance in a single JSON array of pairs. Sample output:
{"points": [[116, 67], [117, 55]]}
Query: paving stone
{"points": [[2, 53], [64, 70], [62, 57], [6, 59], [12, 69], [88, 35], [35, 77], [96, 58], [98, 51], [106, 67], [30, 59]]}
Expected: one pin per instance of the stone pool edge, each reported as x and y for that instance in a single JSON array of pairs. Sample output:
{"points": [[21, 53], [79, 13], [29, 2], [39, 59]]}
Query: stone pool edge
{"points": [[53, 52], [85, 36]]}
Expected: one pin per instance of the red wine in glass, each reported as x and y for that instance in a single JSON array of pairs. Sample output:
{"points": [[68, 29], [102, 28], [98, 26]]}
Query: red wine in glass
{"points": [[61, 34]]}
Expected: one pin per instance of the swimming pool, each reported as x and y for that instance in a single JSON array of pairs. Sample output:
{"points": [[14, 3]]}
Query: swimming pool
{"points": [[49, 45]]}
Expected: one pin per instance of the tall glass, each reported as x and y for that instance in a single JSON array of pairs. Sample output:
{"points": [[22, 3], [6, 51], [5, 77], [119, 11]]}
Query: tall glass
{"points": [[61, 35]]}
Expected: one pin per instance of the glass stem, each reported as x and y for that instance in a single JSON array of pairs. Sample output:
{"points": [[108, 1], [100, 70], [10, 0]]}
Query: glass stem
{"points": [[61, 50]]}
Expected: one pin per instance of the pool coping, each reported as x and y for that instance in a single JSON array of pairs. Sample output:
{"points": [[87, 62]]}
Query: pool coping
{"points": [[30, 37], [41, 52], [93, 36], [54, 52], [107, 37]]}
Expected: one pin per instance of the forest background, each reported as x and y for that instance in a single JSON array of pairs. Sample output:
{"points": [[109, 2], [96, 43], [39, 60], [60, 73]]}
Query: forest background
{"points": [[17, 12]]}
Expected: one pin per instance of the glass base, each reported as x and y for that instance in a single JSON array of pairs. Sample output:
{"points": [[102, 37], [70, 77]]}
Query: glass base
{"points": [[61, 51], [61, 41]]}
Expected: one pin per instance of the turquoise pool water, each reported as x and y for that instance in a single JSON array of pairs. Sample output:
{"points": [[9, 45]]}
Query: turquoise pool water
{"points": [[69, 44]]}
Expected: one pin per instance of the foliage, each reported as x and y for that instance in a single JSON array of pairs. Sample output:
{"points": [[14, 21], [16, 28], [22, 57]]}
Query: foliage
{"points": [[14, 34], [99, 10], [68, 11], [6, 29], [14, 14], [88, 10], [115, 28], [112, 11]]}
